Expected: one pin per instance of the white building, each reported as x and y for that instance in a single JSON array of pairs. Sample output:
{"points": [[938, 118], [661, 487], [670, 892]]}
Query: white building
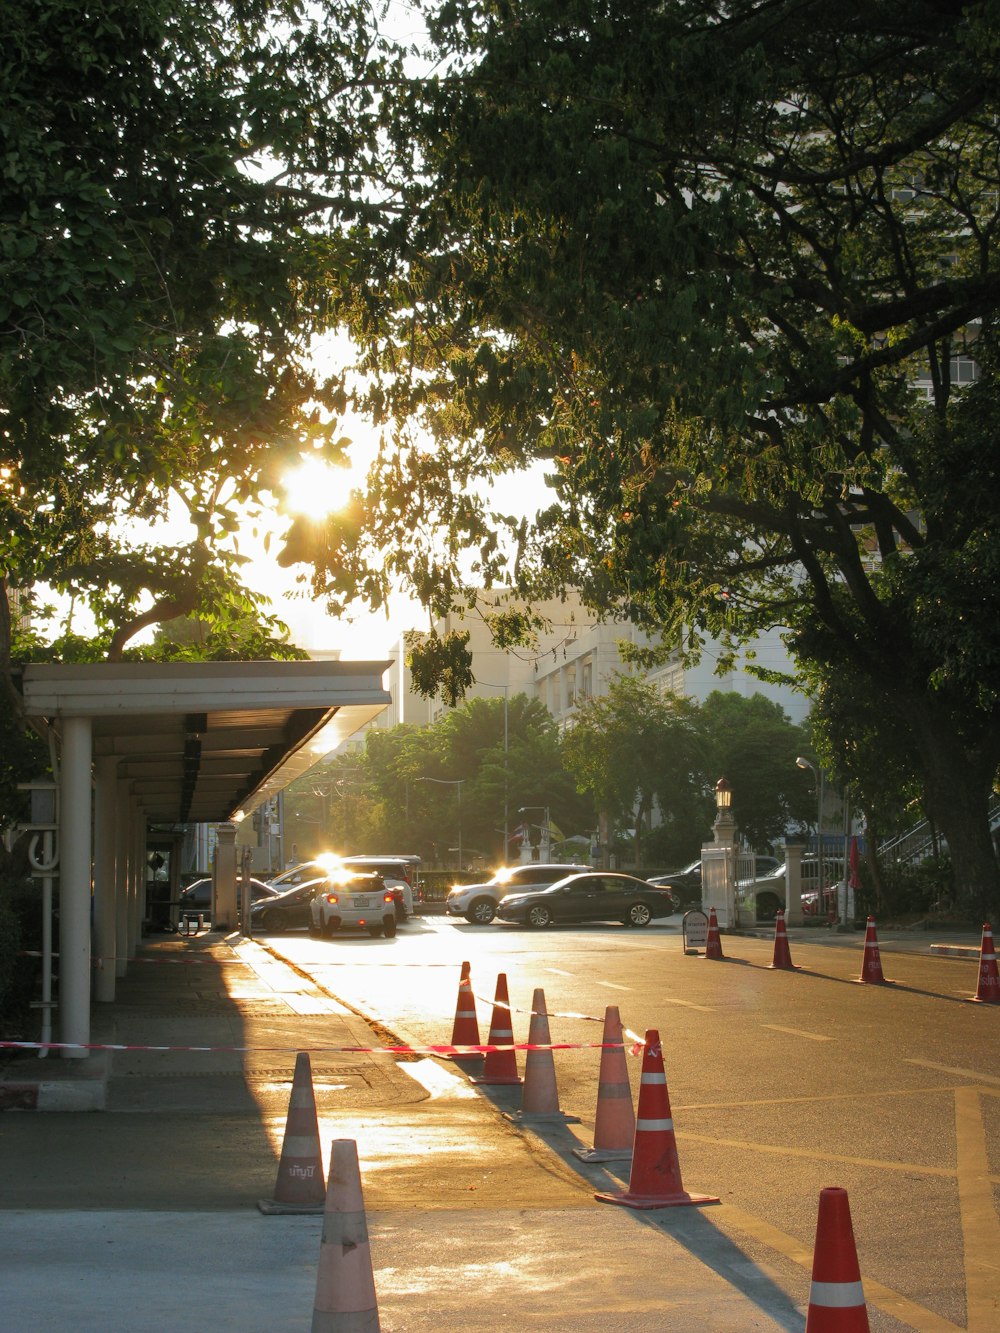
{"points": [[575, 659]]}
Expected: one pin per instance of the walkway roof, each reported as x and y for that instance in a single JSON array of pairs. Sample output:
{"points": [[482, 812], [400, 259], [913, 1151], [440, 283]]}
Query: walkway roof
{"points": [[204, 742]]}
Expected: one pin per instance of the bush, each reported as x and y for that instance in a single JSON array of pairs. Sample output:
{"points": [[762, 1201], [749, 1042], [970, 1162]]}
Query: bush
{"points": [[20, 929], [917, 889]]}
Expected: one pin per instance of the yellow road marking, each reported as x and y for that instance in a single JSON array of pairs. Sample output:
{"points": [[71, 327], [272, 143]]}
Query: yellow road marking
{"points": [[892, 1302], [959, 1073], [810, 1154], [980, 1227]]}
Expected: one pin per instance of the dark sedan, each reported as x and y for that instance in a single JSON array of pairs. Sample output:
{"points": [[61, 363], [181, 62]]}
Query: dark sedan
{"points": [[596, 897], [197, 897], [288, 910]]}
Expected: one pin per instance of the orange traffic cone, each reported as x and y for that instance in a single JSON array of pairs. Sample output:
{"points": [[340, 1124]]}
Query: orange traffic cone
{"points": [[614, 1126], [500, 1067], [465, 1029], [345, 1284], [782, 954], [988, 989], [655, 1180], [836, 1297], [300, 1187], [713, 945], [871, 965], [539, 1098]]}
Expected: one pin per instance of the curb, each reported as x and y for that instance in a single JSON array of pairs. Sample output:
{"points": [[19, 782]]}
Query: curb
{"points": [[64, 1086]]}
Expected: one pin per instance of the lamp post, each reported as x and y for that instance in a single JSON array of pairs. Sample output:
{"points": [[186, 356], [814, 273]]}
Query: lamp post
{"points": [[452, 782], [506, 769], [819, 779], [546, 836]]}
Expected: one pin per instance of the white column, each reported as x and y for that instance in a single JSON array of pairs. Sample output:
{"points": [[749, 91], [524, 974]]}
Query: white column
{"points": [[123, 832], [137, 887], [793, 884], [74, 886], [105, 877], [224, 879]]}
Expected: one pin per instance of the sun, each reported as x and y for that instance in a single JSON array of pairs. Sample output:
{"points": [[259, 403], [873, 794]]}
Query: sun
{"points": [[315, 488]]}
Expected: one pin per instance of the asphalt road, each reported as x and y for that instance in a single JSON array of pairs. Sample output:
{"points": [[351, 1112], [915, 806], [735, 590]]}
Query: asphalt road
{"points": [[780, 1082]]}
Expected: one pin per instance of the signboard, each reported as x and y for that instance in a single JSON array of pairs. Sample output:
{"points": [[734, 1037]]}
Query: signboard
{"points": [[694, 930]]}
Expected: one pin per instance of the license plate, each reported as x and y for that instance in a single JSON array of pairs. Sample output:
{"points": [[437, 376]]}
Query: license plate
{"points": [[360, 902]]}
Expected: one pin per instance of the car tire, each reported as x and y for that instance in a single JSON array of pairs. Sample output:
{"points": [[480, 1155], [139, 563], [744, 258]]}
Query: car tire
{"points": [[767, 907], [390, 929], [639, 915], [481, 912], [270, 922], [539, 916], [327, 929], [375, 931]]}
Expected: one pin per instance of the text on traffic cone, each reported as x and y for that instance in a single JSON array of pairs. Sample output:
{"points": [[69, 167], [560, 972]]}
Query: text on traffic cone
{"points": [[988, 987], [299, 1187], [655, 1179]]}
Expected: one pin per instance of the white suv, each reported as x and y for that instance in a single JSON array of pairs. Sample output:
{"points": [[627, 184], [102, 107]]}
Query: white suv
{"points": [[478, 902], [362, 901]]}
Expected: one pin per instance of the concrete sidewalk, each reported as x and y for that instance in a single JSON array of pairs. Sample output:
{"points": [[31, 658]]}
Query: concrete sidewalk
{"points": [[144, 1217]]}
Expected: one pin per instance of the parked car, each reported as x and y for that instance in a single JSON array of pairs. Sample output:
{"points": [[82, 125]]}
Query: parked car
{"points": [[303, 870], [197, 897], [402, 871], [592, 896], [402, 895], [478, 902], [290, 910], [769, 890], [361, 901], [669, 893], [686, 884]]}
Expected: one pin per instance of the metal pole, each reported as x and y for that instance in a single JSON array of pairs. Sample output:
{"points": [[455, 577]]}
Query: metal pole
{"points": [[819, 838]]}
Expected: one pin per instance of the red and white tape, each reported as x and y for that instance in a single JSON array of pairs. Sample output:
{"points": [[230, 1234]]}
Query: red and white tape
{"points": [[449, 1050]]}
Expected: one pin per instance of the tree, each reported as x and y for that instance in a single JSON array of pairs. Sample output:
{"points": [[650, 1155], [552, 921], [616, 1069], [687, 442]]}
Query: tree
{"points": [[176, 180], [754, 745], [727, 268], [632, 749], [403, 788]]}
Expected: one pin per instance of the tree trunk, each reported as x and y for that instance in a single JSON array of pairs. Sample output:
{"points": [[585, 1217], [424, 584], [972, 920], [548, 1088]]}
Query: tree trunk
{"points": [[958, 784]]}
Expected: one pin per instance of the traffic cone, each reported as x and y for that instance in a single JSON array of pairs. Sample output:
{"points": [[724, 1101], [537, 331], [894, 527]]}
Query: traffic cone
{"points": [[655, 1179], [299, 1187], [988, 989], [345, 1285], [614, 1126], [500, 1067], [713, 945], [539, 1098], [836, 1297], [465, 1029], [871, 964], [782, 954]]}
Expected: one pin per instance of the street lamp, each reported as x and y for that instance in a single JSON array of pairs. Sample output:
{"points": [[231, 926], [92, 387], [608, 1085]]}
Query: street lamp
{"points": [[819, 780], [452, 782], [506, 766]]}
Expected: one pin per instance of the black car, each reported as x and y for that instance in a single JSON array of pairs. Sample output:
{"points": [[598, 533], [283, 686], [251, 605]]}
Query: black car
{"points": [[588, 897], [197, 897], [288, 910]]}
